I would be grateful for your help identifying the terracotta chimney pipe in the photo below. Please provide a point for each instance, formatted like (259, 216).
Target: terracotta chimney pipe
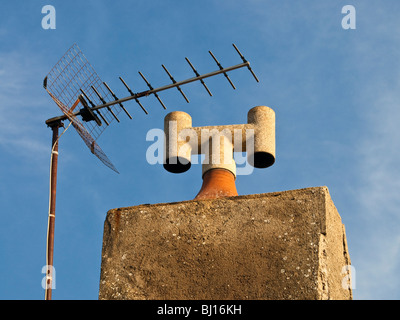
(217, 183)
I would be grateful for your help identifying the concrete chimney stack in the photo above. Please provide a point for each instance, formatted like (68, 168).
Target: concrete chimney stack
(286, 245)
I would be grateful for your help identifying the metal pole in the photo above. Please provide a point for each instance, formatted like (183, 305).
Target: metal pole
(52, 210)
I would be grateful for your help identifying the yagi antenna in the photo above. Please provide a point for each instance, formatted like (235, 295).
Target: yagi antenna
(91, 105)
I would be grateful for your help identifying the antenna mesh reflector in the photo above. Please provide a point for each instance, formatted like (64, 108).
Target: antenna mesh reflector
(64, 83)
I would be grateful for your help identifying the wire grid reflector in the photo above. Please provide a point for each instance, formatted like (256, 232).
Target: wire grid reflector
(69, 76)
(73, 73)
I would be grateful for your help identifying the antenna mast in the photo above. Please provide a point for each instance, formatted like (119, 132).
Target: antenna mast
(52, 210)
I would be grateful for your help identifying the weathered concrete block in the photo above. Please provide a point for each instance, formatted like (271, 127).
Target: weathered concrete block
(282, 245)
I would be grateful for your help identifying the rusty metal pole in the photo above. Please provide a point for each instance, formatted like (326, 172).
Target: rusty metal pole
(52, 210)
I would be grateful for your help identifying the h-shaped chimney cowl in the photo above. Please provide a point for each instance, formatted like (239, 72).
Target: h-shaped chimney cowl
(217, 143)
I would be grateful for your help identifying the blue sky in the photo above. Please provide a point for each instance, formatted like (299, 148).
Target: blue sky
(335, 92)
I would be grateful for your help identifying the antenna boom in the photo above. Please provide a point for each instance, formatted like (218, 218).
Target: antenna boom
(152, 91)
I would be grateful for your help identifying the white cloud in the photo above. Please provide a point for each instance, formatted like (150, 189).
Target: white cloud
(21, 106)
(378, 185)
(378, 192)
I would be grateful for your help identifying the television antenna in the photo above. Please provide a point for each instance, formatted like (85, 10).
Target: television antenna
(90, 106)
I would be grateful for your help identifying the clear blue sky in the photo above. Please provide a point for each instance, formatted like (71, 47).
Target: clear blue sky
(335, 92)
